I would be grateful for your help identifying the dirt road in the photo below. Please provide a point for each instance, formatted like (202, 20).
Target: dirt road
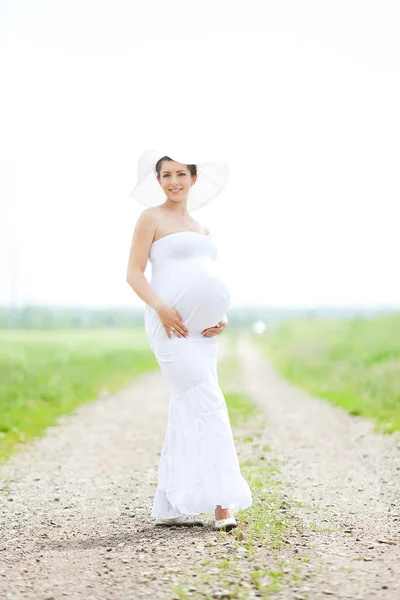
(346, 477)
(75, 505)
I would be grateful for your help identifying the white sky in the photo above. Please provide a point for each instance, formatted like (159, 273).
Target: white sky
(301, 98)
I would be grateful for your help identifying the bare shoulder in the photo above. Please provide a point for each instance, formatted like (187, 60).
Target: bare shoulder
(148, 215)
(147, 220)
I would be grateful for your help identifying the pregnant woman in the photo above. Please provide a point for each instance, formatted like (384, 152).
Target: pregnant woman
(186, 305)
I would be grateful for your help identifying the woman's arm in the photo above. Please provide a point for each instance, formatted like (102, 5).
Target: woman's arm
(138, 256)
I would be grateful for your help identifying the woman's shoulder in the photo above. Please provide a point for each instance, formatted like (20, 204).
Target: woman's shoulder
(150, 215)
(151, 212)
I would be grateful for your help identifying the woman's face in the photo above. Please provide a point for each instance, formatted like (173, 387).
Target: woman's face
(175, 180)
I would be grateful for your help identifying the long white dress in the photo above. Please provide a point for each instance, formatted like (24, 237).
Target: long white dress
(199, 467)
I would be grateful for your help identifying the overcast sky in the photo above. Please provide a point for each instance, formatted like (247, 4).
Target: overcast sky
(301, 98)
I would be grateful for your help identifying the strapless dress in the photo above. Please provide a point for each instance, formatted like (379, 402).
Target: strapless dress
(199, 467)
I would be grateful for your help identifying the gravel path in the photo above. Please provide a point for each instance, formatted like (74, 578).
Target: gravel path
(348, 481)
(75, 511)
(75, 505)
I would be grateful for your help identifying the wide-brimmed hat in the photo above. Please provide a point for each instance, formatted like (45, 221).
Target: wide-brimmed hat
(211, 178)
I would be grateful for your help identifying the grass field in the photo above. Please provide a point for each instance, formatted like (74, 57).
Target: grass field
(44, 374)
(352, 363)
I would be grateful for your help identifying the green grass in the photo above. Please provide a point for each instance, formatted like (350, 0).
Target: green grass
(45, 374)
(353, 363)
(240, 408)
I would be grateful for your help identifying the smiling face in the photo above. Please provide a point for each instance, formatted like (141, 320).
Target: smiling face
(176, 180)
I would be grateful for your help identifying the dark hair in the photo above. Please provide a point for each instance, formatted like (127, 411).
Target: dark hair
(192, 168)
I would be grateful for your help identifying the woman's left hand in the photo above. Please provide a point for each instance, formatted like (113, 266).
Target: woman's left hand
(211, 331)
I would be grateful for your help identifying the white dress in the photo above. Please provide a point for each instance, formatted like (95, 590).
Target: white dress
(199, 467)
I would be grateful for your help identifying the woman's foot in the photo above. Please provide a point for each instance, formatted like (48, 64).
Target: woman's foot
(183, 520)
(223, 513)
(224, 519)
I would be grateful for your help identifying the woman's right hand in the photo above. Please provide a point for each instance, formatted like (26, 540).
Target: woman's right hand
(171, 321)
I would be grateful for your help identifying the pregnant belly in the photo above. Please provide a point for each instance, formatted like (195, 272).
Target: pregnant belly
(201, 298)
(203, 303)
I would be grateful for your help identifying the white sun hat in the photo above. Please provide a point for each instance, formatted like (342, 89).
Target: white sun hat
(211, 179)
